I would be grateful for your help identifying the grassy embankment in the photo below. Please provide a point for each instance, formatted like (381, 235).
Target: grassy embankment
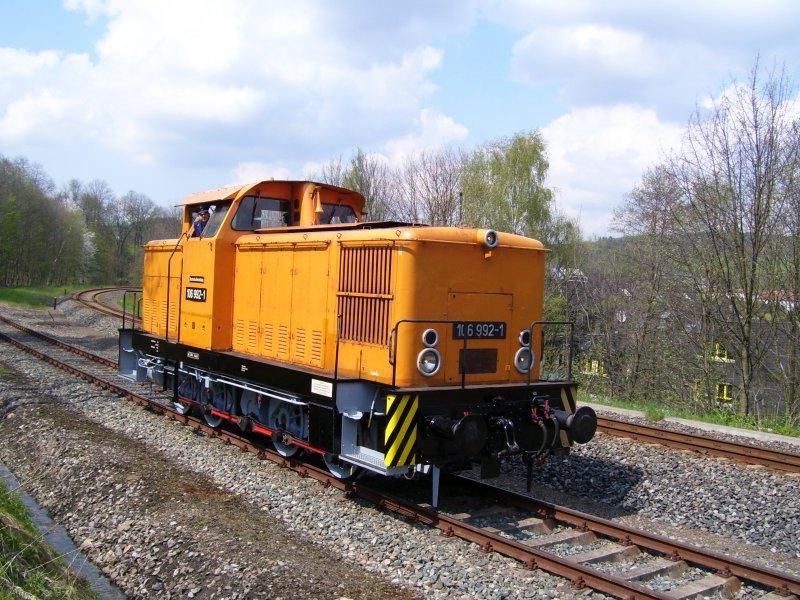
(36, 296)
(720, 416)
(29, 568)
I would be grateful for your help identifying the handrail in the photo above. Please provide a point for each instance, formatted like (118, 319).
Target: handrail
(542, 324)
(136, 302)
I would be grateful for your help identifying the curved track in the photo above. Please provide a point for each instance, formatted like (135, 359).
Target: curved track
(106, 301)
(584, 569)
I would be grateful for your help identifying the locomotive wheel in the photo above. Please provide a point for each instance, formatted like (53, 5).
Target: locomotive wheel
(339, 469)
(286, 450)
(213, 420)
(289, 418)
(181, 407)
(222, 398)
(190, 389)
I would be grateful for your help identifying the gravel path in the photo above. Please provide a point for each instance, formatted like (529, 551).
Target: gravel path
(174, 510)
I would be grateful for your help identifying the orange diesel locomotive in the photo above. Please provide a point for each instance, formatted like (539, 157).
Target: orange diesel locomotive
(382, 346)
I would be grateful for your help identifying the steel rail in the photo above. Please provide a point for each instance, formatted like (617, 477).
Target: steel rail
(89, 298)
(675, 550)
(59, 343)
(765, 457)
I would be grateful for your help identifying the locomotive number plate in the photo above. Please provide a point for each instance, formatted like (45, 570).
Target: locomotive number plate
(479, 330)
(196, 294)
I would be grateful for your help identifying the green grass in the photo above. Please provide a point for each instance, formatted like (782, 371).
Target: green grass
(657, 412)
(28, 567)
(35, 296)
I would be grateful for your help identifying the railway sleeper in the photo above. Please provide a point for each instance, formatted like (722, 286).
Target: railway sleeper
(656, 568)
(608, 553)
(707, 586)
(529, 525)
(569, 536)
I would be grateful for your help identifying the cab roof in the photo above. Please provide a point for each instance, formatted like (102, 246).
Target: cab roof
(238, 191)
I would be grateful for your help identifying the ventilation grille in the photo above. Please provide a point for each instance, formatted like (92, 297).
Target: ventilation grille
(316, 348)
(283, 341)
(300, 344)
(268, 343)
(365, 275)
(149, 317)
(252, 336)
(154, 317)
(173, 319)
(238, 334)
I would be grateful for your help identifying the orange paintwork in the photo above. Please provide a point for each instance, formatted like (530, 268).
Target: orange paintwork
(283, 294)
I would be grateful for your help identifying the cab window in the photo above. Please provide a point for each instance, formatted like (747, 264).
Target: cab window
(337, 213)
(218, 213)
(261, 213)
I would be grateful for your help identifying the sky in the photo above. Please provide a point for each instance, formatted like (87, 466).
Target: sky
(170, 97)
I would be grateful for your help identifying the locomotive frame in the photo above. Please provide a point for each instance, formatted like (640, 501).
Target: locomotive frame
(394, 348)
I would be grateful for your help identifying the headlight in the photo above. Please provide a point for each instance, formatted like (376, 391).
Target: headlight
(430, 337)
(429, 361)
(523, 360)
(525, 337)
(488, 238)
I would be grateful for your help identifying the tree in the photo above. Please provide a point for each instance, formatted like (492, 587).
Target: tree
(371, 177)
(504, 186)
(429, 189)
(39, 238)
(785, 305)
(732, 173)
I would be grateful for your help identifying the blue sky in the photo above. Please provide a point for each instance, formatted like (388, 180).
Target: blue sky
(169, 97)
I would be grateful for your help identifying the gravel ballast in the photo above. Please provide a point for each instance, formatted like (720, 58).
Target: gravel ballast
(155, 504)
(166, 511)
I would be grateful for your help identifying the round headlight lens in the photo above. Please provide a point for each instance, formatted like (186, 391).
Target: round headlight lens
(525, 337)
(430, 337)
(429, 361)
(523, 360)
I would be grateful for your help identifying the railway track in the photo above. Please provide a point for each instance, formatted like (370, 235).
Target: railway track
(744, 453)
(576, 546)
(104, 300)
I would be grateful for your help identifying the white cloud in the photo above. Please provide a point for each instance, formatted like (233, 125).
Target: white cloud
(93, 8)
(596, 51)
(432, 130)
(186, 94)
(20, 64)
(598, 154)
(237, 80)
(662, 54)
(250, 172)
(29, 116)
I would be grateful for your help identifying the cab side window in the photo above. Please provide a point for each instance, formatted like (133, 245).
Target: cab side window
(261, 213)
(337, 213)
(218, 213)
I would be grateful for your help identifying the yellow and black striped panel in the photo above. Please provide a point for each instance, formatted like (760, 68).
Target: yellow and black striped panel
(401, 430)
(569, 397)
